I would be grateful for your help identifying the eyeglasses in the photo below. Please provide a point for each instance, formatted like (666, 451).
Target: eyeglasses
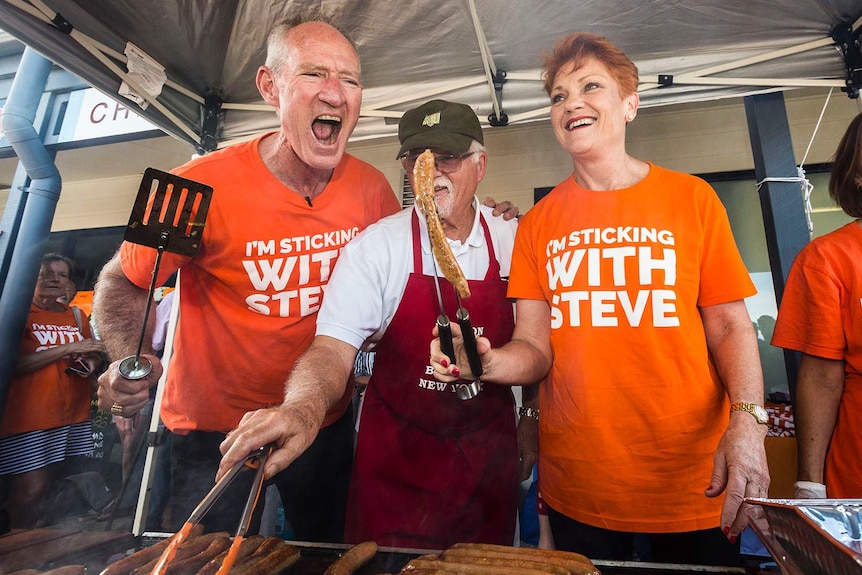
(446, 163)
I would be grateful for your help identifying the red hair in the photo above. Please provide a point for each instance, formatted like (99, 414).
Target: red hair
(579, 46)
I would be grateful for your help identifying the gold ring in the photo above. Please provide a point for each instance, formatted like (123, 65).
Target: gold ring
(117, 409)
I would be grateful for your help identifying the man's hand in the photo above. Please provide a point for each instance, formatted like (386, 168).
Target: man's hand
(126, 427)
(506, 209)
(739, 467)
(316, 384)
(290, 428)
(131, 395)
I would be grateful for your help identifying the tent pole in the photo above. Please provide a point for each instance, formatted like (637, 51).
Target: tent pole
(781, 202)
(39, 204)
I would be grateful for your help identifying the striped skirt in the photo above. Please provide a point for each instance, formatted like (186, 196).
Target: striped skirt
(32, 450)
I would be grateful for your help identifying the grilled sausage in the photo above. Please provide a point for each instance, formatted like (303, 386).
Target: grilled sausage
(468, 568)
(353, 559)
(524, 551)
(520, 564)
(191, 565)
(423, 187)
(270, 561)
(246, 548)
(186, 549)
(67, 570)
(128, 564)
(574, 562)
(268, 545)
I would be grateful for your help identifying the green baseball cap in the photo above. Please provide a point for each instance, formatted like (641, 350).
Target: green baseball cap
(439, 124)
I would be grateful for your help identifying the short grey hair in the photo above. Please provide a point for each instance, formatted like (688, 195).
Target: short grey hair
(476, 147)
(275, 40)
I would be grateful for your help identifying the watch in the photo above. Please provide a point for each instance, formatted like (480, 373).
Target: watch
(528, 412)
(754, 409)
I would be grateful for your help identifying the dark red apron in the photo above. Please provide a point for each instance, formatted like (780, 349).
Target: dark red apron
(432, 470)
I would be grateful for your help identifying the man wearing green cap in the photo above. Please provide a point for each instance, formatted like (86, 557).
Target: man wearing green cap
(430, 469)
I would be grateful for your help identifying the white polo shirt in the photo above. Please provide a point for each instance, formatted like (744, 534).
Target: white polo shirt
(372, 271)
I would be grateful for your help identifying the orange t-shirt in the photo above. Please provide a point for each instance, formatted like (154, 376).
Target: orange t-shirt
(49, 397)
(250, 297)
(632, 410)
(821, 315)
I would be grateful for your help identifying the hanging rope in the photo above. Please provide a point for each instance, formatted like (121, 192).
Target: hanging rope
(806, 186)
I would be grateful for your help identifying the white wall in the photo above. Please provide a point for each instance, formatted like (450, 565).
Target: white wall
(696, 138)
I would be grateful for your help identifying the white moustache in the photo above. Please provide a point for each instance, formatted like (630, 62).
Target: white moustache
(444, 182)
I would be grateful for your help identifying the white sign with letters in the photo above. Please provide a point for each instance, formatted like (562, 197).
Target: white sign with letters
(91, 115)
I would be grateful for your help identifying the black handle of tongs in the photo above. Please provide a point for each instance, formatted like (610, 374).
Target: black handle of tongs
(444, 329)
(469, 342)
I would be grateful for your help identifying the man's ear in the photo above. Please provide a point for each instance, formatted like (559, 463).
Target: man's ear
(266, 85)
(482, 166)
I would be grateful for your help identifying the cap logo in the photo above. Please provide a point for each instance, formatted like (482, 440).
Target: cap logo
(431, 120)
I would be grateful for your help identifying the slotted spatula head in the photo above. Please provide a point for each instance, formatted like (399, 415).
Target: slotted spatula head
(169, 203)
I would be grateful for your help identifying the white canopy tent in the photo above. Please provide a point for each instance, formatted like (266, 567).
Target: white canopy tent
(485, 53)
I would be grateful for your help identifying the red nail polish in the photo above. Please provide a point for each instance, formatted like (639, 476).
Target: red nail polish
(456, 372)
(732, 539)
(726, 531)
(444, 362)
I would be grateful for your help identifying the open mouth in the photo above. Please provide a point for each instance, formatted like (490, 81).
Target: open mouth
(575, 123)
(326, 128)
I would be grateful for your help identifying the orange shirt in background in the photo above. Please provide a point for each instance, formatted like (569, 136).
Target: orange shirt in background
(632, 410)
(821, 315)
(49, 397)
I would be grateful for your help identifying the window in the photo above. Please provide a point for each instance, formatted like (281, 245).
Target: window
(738, 193)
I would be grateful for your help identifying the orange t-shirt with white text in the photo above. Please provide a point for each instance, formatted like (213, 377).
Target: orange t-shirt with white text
(632, 410)
(249, 298)
(48, 397)
(821, 315)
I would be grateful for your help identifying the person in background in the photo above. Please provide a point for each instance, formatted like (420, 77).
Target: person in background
(821, 316)
(284, 204)
(430, 469)
(69, 293)
(47, 418)
(629, 292)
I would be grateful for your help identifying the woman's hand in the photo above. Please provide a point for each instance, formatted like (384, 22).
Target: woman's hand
(740, 470)
(85, 347)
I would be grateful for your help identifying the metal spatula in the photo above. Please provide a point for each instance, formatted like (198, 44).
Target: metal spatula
(168, 214)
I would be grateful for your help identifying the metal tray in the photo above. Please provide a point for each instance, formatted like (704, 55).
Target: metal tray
(811, 537)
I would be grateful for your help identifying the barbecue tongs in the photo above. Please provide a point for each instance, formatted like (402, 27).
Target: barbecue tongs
(255, 460)
(463, 390)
